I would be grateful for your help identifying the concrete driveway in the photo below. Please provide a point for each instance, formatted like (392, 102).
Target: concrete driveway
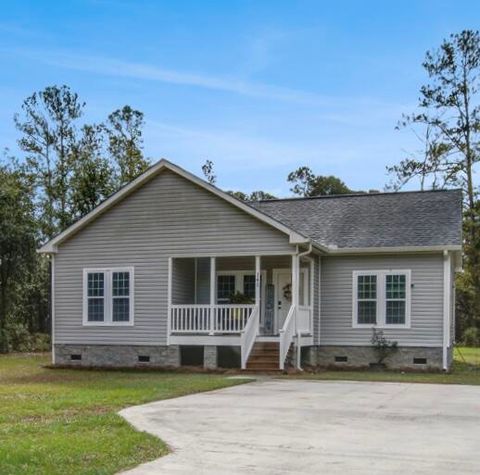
(293, 426)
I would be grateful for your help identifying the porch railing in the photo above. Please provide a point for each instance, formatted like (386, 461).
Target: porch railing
(209, 319)
(287, 334)
(304, 319)
(248, 336)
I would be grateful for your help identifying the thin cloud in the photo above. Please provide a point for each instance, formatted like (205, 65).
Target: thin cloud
(118, 68)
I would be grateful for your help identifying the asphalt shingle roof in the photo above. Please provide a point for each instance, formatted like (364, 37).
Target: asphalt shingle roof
(423, 218)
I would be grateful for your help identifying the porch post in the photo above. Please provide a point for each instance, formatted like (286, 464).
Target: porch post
(257, 281)
(212, 294)
(169, 298)
(295, 298)
(295, 280)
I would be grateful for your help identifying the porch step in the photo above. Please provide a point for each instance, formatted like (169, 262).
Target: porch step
(264, 357)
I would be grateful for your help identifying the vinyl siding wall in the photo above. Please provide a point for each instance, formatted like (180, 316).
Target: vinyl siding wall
(167, 216)
(426, 303)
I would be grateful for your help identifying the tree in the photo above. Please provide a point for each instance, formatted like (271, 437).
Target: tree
(306, 183)
(253, 196)
(449, 116)
(449, 112)
(48, 137)
(18, 240)
(92, 175)
(125, 143)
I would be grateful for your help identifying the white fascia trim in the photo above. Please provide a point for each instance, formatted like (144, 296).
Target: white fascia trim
(392, 250)
(52, 245)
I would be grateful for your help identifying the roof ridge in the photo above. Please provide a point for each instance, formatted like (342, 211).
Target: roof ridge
(356, 195)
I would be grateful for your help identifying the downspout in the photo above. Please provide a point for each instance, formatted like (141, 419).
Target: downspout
(297, 278)
(446, 308)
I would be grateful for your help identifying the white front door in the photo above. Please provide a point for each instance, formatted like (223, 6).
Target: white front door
(283, 296)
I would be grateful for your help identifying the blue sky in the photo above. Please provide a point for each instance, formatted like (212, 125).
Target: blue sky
(258, 87)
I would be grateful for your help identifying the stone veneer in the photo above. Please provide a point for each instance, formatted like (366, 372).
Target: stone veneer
(117, 355)
(362, 356)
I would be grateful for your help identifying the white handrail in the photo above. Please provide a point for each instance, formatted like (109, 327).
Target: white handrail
(248, 336)
(286, 335)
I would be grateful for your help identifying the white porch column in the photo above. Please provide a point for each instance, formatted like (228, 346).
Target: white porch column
(257, 281)
(295, 299)
(213, 269)
(295, 286)
(169, 297)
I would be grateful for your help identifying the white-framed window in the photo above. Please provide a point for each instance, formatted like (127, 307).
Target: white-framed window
(231, 282)
(108, 296)
(381, 298)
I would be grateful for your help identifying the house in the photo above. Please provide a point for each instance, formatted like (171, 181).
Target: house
(171, 269)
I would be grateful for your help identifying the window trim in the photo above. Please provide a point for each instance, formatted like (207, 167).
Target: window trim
(108, 296)
(381, 298)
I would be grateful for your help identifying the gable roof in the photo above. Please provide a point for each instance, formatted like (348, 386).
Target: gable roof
(52, 245)
(375, 222)
(421, 219)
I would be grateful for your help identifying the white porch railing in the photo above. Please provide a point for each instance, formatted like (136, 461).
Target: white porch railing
(286, 335)
(304, 319)
(248, 336)
(209, 318)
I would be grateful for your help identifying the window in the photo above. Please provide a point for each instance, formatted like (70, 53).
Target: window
(225, 288)
(249, 286)
(395, 299)
(108, 296)
(367, 299)
(231, 282)
(381, 298)
(96, 297)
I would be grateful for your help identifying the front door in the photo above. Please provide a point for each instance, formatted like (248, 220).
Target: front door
(283, 296)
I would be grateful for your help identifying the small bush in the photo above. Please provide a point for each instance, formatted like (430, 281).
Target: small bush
(471, 337)
(16, 337)
(382, 347)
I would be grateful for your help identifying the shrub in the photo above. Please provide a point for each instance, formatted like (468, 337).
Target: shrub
(382, 347)
(471, 336)
(16, 337)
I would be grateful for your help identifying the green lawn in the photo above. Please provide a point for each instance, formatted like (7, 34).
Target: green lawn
(466, 370)
(65, 421)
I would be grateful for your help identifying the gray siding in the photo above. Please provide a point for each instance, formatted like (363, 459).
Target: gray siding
(426, 307)
(183, 281)
(168, 215)
(316, 299)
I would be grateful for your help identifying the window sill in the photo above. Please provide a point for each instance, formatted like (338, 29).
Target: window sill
(107, 324)
(382, 327)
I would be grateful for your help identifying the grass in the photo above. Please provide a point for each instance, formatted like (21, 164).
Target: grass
(65, 421)
(465, 370)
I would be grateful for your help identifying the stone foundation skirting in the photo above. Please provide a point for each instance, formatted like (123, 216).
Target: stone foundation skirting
(362, 356)
(120, 356)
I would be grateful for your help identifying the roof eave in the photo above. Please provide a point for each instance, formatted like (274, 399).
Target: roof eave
(394, 249)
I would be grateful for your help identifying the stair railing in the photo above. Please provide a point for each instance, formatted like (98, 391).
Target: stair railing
(287, 334)
(249, 335)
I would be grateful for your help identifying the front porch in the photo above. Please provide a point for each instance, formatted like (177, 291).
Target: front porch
(240, 301)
